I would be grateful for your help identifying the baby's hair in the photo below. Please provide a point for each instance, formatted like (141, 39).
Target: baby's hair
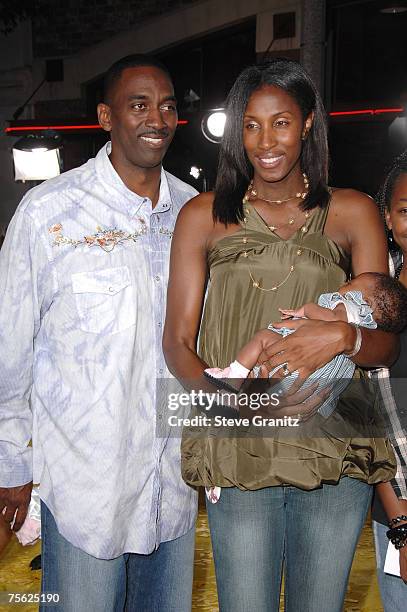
(390, 298)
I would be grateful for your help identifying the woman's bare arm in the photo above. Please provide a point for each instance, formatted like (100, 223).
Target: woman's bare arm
(368, 247)
(355, 224)
(393, 506)
(188, 271)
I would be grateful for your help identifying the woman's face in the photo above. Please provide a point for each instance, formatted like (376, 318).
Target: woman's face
(396, 217)
(272, 131)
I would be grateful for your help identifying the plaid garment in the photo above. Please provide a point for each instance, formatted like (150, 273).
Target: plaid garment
(397, 434)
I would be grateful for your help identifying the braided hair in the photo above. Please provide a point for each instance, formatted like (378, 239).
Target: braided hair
(384, 195)
(383, 199)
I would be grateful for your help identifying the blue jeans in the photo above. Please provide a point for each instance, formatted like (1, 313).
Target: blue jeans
(159, 582)
(313, 534)
(393, 591)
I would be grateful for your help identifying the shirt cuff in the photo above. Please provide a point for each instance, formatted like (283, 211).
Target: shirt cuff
(15, 468)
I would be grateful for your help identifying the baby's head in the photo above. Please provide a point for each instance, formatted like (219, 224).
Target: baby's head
(386, 296)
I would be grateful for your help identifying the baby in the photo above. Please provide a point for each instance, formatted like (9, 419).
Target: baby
(370, 300)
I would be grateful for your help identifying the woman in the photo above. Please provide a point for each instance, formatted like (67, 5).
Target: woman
(274, 235)
(392, 199)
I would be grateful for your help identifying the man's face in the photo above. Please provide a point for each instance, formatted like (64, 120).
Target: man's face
(141, 116)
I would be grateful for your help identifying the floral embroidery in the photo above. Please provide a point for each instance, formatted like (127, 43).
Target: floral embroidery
(162, 230)
(106, 239)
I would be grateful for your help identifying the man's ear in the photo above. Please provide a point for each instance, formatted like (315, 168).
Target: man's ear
(104, 116)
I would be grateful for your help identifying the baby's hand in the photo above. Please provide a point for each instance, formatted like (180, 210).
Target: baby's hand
(289, 314)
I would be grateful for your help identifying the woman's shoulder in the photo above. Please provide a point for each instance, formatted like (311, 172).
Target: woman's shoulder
(352, 215)
(197, 213)
(351, 209)
(351, 201)
(201, 205)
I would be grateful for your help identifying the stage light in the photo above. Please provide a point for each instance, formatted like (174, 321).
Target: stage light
(36, 158)
(213, 125)
(394, 10)
(195, 172)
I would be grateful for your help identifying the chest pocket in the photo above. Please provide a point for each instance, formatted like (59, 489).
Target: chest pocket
(105, 300)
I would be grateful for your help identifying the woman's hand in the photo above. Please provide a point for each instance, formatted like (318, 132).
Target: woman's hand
(313, 345)
(302, 404)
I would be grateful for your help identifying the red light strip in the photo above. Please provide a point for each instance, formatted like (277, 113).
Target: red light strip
(40, 128)
(96, 126)
(378, 111)
(367, 111)
(37, 128)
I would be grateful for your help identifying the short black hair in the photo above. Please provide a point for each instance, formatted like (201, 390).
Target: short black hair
(135, 60)
(390, 297)
(235, 171)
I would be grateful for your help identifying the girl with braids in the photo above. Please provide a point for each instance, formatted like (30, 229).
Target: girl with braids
(274, 235)
(390, 503)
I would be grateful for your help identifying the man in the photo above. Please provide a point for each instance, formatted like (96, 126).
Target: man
(83, 276)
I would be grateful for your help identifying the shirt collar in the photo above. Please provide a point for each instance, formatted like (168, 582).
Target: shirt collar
(110, 178)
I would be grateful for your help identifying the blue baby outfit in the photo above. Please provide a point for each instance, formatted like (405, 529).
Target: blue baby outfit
(339, 371)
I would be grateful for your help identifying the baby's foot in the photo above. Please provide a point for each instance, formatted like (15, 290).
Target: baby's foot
(234, 370)
(218, 372)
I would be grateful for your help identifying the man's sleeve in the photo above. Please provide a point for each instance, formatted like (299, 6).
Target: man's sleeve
(22, 261)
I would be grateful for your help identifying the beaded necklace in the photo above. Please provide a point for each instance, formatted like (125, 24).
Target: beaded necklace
(300, 194)
(303, 230)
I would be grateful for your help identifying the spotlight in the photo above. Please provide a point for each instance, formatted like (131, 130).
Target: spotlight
(36, 158)
(394, 10)
(195, 172)
(213, 125)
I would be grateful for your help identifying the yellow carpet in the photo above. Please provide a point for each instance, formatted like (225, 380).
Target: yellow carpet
(362, 596)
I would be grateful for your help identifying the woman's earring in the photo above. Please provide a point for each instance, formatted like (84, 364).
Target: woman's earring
(390, 239)
(304, 136)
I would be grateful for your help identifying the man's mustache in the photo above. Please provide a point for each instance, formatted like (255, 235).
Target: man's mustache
(156, 134)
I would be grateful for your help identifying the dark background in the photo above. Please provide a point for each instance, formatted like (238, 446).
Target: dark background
(365, 57)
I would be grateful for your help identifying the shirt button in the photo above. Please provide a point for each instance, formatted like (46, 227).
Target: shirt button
(111, 289)
(161, 370)
(159, 324)
(157, 278)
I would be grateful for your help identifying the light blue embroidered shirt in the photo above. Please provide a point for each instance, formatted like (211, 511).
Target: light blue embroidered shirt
(83, 275)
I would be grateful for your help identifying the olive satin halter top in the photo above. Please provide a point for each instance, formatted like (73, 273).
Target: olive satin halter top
(234, 310)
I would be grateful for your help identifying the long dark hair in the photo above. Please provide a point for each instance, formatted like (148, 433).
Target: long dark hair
(234, 169)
